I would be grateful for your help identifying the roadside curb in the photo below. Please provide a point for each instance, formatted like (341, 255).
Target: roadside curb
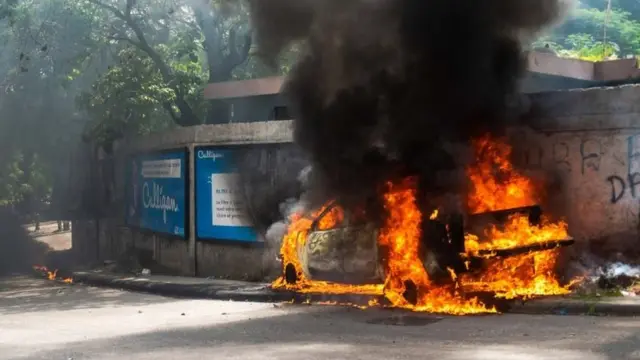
(569, 306)
(250, 292)
(257, 292)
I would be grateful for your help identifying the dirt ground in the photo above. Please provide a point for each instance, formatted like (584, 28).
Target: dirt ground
(49, 235)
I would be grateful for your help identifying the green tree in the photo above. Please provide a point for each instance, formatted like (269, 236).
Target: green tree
(215, 33)
(132, 97)
(44, 43)
(594, 32)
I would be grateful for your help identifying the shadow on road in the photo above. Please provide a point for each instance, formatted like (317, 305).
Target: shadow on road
(23, 294)
(320, 333)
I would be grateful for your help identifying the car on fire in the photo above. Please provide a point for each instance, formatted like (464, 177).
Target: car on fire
(335, 248)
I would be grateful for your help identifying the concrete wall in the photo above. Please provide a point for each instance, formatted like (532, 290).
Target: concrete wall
(585, 143)
(588, 141)
(268, 157)
(597, 171)
(258, 108)
(536, 82)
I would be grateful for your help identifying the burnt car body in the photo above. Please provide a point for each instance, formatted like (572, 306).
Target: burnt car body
(349, 252)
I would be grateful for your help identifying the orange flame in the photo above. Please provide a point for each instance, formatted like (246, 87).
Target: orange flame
(51, 275)
(526, 275)
(295, 239)
(496, 185)
(401, 237)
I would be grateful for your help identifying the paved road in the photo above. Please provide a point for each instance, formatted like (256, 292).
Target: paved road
(42, 320)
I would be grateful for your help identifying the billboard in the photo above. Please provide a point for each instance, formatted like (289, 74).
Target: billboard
(221, 209)
(157, 192)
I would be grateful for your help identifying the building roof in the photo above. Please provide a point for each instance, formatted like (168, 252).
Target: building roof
(537, 63)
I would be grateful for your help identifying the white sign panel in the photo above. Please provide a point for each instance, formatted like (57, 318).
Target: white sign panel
(162, 169)
(228, 205)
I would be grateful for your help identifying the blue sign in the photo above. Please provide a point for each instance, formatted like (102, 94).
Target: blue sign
(156, 192)
(221, 209)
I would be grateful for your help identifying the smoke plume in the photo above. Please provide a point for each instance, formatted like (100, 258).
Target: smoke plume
(383, 86)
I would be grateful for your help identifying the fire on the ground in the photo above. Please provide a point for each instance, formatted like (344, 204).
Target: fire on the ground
(522, 276)
(52, 274)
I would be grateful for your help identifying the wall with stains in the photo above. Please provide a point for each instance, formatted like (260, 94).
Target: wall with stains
(597, 174)
(585, 144)
(270, 164)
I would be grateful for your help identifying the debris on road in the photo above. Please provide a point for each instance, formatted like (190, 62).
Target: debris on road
(615, 280)
(52, 274)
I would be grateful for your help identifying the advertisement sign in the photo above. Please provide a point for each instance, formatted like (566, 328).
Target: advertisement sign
(221, 209)
(156, 192)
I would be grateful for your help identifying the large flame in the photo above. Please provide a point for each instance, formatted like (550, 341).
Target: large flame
(526, 275)
(400, 237)
(496, 185)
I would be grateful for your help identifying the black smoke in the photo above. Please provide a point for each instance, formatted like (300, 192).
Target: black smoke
(384, 87)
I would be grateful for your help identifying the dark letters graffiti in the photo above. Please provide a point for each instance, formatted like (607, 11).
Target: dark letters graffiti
(561, 155)
(619, 186)
(634, 180)
(590, 153)
(632, 152)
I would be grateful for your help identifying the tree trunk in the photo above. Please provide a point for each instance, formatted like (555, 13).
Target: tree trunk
(220, 63)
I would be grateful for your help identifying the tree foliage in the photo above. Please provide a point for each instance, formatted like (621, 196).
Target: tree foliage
(595, 31)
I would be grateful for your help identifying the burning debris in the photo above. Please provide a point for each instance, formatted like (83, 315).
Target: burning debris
(52, 275)
(388, 95)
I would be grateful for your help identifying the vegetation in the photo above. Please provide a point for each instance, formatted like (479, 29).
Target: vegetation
(598, 30)
(100, 70)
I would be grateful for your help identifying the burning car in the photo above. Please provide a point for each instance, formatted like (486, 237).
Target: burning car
(504, 246)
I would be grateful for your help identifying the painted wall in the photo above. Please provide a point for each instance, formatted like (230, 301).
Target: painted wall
(594, 179)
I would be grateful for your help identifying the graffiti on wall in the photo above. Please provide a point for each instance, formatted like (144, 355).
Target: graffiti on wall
(560, 154)
(587, 158)
(600, 172)
(626, 185)
(591, 152)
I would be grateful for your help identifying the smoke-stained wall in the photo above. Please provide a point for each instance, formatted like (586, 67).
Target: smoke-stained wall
(598, 172)
(586, 143)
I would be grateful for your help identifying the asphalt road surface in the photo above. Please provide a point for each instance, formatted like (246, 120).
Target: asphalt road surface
(44, 320)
